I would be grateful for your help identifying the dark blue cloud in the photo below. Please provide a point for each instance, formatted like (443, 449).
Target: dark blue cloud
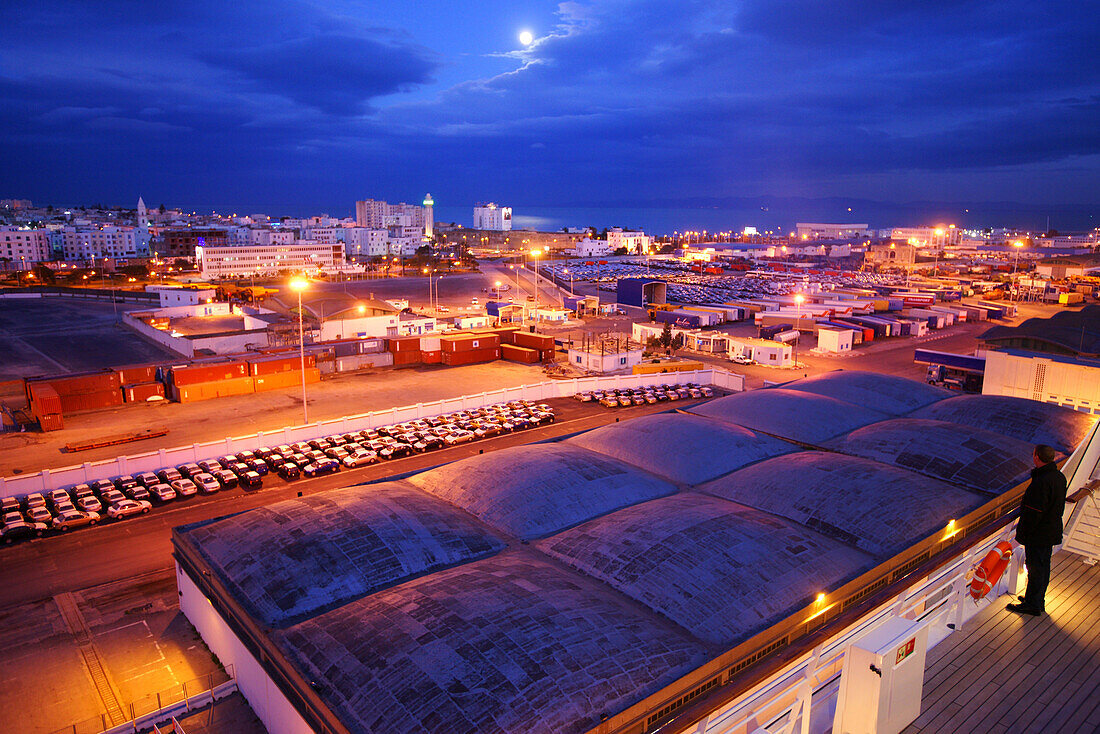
(307, 106)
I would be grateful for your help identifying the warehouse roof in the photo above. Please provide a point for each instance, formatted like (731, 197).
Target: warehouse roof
(301, 556)
(884, 393)
(1027, 420)
(722, 570)
(685, 448)
(531, 491)
(874, 507)
(792, 414)
(1068, 332)
(964, 455)
(507, 644)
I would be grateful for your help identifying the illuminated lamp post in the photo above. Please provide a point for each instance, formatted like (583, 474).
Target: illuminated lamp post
(299, 285)
(535, 254)
(798, 299)
(1016, 288)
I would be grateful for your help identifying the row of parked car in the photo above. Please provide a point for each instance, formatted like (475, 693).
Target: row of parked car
(649, 395)
(124, 496)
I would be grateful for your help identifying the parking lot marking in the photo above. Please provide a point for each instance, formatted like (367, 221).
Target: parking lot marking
(74, 620)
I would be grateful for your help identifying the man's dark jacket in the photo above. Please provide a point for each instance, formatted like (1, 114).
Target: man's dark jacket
(1042, 506)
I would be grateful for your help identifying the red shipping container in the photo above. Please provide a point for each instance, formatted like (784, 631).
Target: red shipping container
(90, 401)
(454, 359)
(280, 363)
(406, 359)
(137, 374)
(280, 380)
(79, 383)
(433, 357)
(51, 422)
(404, 344)
(208, 373)
(519, 354)
(533, 341)
(44, 400)
(141, 392)
(469, 342)
(215, 389)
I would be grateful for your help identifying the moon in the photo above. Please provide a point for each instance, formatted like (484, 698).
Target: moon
(526, 38)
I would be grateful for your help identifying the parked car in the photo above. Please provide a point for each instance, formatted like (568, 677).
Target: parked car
(126, 480)
(361, 458)
(16, 527)
(126, 508)
(9, 504)
(162, 492)
(189, 470)
(227, 478)
(111, 496)
(206, 483)
(148, 479)
(89, 503)
(324, 466)
(259, 466)
(289, 470)
(74, 519)
(39, 513)
(184, 488)
(251, 480)
(167, 476)
(136, 492)
(210, 466)
(34, 499)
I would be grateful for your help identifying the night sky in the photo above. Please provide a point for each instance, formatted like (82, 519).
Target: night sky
(285, 105)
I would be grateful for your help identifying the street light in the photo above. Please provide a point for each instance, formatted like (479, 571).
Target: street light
(798, 299)
(571, 294)
(299, 285)
(1015, 288)
(535, 254)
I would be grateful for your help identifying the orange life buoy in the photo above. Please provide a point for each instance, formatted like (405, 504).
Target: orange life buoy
(990, 569)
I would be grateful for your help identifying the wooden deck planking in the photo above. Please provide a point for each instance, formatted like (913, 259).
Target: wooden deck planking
(1004, 672)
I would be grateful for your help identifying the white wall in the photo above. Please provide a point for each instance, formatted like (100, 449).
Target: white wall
(1075, 386)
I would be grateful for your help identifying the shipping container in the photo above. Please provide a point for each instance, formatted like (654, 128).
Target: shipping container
(137, 374)
(430, 344)
(406, 358)
(470, 357)
(533, 341)
(279, 380)
(260, 366)
(90, 401)
(403, 344)
(79, 383)
(217, 389)
(432, 356)
(372, 346)
(519, 354)
(201, 373)
(143, 391)
(469, 342)
(51, 422)
(44, 400)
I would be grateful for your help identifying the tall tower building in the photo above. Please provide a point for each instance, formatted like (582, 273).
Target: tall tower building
(429, 216)
(142, 238)
(142, 214)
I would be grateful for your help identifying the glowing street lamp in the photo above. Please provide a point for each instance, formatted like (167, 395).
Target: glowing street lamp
(299, 285)
(798, 299)
(1016, 288)
(535, 254)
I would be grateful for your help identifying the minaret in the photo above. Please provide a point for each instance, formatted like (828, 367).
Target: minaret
(142, 214)
(429, 217)
(143, 237)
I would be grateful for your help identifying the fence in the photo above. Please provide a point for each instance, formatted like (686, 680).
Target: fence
(50, 479)
(782, 703)
(145, 713)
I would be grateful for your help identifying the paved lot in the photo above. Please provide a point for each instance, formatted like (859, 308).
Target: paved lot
(50, 335)
(209, 420)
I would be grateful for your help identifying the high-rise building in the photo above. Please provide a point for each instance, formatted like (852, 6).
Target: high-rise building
(492, 217)
(374, 214)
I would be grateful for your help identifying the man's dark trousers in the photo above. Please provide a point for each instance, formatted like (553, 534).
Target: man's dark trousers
(1037, 561)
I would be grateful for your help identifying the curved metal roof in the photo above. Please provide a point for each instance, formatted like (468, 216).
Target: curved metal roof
(301, 556)
(508, 644)
(1027, 420)
(685, 448)
(719, 569)
(792, 414)
(963, 455)
(532, 491)
(874, 507)
(884, 393)
(1066, 332)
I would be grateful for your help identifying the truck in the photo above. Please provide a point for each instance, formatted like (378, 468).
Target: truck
(962, 372)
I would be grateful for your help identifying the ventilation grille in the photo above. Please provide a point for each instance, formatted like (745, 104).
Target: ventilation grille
(1039, 382)
(859, 596)
(679, 702)
(909, 566)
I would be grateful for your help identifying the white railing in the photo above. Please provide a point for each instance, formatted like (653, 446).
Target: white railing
(50, 479)
(782, 704)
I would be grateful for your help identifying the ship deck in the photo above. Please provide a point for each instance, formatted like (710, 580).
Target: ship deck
(1008, 673)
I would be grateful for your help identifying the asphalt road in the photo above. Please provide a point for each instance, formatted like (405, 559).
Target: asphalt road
(139, 546)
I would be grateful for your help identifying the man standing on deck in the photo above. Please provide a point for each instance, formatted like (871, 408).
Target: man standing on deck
(1040, 527)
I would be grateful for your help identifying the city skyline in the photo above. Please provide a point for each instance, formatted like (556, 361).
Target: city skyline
(289, 104)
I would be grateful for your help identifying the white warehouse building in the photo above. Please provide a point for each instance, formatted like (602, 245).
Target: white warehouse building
(227, 261)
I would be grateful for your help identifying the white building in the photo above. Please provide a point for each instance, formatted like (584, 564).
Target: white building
(364, 242)
(633, 241)
(592, 248)
(320, 235)
(20, 246)
(823, 231)
(605, 356)
(373, 214)
(177, 295)
(762, 351)
(227, 261)
(493, 217)
(834, 340)
(87, 245)
(1072, 382)
(928, 236)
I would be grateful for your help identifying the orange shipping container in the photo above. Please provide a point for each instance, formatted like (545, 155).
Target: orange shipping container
(404, 344)
(519, 354)
(433, 357)
(454, 359)
(406, 359)
(533, 341)
(280, 380)
(201, 373)
(137, 374)
(469, 342)
(281, 363)
(90, 401)
(141, 393)
(44, 400)
(210, 390)
(51, 422)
